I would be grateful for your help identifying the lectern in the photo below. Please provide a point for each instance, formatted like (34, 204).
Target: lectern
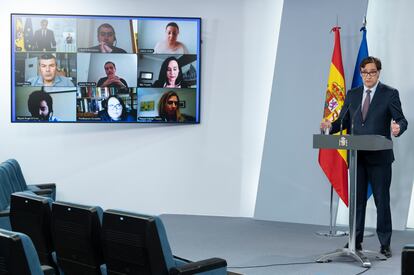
(352, 143)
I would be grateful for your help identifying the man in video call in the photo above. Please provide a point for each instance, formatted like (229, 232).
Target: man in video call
(111, 79)
(40, 106)
(44, 38)
(48, 73)
(107, 40)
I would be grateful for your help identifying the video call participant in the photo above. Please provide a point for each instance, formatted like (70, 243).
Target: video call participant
(372, 109)
(107, 40)
(40, 105)
(115, 110)
(69, 39)
(169, 108)
(111, 79)
(48, 73)
(170, 75)
(170, 45)
(44, 38)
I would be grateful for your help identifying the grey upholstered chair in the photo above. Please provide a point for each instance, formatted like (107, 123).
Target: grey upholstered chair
(137, 244)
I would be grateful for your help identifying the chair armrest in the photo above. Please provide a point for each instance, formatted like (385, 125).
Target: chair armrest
(44, 192)
(198, 267)
(48, 270)
(182, 259)
(4, 213)
(46, 185)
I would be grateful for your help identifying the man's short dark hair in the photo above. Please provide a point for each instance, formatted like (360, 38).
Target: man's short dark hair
(34, 102)
(47, 56)
(371, 59)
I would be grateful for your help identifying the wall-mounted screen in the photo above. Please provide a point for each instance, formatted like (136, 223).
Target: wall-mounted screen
(84, 68)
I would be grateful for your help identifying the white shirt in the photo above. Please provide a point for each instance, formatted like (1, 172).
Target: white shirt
(364, 95)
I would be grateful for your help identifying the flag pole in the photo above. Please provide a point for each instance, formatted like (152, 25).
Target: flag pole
(332, 222)
(332, 218)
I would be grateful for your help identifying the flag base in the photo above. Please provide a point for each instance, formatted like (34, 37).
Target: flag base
(332, 233)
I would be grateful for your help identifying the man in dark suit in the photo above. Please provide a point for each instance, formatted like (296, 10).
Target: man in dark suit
(374, 109)
(44, 39)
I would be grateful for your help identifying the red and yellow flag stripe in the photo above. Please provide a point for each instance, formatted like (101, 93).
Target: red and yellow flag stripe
(334, 162)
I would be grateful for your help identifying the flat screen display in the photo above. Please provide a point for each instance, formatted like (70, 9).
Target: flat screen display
(87, 68)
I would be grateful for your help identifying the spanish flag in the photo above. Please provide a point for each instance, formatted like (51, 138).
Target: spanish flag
(19, 36)
(333, 162)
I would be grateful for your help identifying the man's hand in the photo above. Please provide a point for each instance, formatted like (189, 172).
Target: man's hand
(105, 48)
(325, 124)
(113, 80)
(395, 128)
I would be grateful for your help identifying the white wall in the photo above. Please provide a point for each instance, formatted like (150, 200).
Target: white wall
(260, 43)
(210, 168)
(292, 186)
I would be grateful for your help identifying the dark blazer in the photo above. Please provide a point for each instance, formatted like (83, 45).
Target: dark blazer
(385, 106)
(97, 49)
(47, 43)
(103, 79)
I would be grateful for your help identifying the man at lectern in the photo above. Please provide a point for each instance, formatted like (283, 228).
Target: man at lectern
(372, 109)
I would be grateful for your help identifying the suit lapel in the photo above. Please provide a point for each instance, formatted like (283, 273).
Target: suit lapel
(375, 100)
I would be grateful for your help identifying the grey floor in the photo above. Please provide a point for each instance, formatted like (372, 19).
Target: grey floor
(245, 242)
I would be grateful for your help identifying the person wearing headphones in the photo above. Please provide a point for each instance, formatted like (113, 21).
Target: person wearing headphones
(107, 40)
(40, 106)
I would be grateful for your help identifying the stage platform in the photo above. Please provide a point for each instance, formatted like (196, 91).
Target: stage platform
(255, 247)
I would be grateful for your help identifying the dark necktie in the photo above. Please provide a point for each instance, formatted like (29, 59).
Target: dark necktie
(365, 106)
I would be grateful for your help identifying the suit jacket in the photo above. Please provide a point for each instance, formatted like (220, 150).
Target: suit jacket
(97, 49)
(385, 106)
(44, 43)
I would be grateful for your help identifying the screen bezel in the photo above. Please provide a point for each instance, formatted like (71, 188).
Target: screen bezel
(112, 17)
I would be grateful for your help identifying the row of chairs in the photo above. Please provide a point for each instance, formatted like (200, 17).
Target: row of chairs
(12, 180)
(78, 239)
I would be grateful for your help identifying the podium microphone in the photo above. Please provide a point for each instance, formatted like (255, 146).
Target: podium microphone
(342, 119)
(353, 118)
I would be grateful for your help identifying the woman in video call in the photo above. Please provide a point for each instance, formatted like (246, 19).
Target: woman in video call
(170, 75)
(170, 45)
(169, 108)
(115, 110)
(107, 40)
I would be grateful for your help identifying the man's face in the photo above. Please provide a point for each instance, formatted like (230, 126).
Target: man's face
(110, 70)
(106, 35)
(47, 68)
(370, 75)
(43, 24)
(43, 110)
